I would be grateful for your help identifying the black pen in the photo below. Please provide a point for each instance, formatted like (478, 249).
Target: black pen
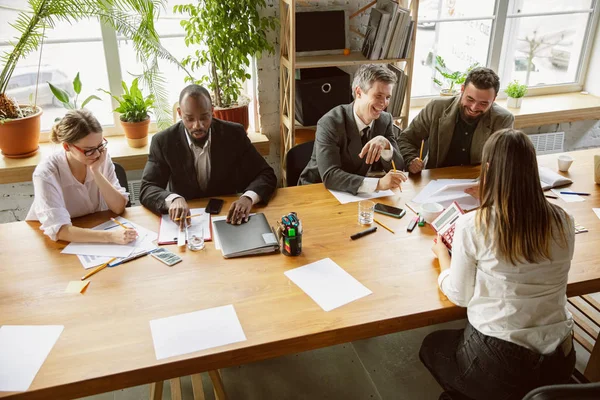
(550, 196)
(363, 233)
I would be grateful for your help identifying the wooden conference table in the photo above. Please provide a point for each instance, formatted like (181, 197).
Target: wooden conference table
(107, 344)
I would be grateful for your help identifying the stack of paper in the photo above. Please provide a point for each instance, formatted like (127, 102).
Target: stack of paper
(445, 191)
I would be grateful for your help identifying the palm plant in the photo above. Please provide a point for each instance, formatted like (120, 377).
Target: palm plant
(133, 19)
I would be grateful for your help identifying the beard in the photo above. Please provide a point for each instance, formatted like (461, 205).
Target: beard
(199, 142)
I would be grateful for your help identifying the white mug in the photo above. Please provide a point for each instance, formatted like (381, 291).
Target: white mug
(564, 162)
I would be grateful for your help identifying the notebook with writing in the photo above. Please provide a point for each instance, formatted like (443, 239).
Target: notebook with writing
(252, 237)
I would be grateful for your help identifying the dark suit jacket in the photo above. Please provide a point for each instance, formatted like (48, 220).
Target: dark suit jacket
(236, 166)
(436, 123)
(335, 160)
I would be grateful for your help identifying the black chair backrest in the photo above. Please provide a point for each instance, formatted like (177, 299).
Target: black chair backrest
(296, 160)
(122, 177)
(578, 391)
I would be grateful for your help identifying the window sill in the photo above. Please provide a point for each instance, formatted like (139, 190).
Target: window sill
(21, 170)
(548, 109)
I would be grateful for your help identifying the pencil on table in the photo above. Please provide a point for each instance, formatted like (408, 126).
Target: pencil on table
(189, 216)
(98, 269)
(421, 152)
(120, 224)
(386, 227)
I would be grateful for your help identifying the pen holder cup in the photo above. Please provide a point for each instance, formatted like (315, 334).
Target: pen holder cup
(291, 245)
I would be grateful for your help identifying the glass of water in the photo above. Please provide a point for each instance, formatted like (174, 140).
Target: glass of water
(366, 212)
(195, 238)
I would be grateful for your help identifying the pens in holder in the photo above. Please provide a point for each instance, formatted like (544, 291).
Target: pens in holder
(363, 233)
(577, 193)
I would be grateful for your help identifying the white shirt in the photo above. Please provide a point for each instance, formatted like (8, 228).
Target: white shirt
(60, 197)
(202, 165)
(524, 304)
(370, 184)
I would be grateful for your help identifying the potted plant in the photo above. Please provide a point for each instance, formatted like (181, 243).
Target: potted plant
(135, 113)
(453, 78)
(65, 99)
(229, 33)
(20, 123)
(515, 92)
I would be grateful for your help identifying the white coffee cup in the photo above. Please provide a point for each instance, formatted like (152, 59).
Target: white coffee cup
(564, 162)
(430, 211)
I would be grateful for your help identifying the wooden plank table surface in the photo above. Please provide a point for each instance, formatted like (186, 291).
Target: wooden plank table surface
(107, 343)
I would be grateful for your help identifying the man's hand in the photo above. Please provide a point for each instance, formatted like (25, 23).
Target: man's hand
(391, 180)
(415, 166)
(178, 211)
(473, 191)
(372, 150)
(239, 210)
(123, 236)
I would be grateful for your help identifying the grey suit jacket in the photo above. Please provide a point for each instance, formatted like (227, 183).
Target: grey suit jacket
(335, 160)
(436, 122)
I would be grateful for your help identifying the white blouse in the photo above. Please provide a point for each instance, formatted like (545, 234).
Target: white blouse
(524, 304)
(60, 197)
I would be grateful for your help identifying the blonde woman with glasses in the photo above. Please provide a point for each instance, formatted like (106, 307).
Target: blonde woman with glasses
(78, 180)
(509, 267)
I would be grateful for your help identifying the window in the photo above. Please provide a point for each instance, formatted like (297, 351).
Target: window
(69, 49)
(543, 43)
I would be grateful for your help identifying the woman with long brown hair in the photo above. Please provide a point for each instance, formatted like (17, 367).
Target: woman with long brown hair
(509, 266)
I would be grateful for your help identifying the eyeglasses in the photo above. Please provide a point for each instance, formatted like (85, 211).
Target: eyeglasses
(91, 152)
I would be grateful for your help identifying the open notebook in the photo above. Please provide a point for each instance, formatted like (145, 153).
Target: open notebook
(550, 179)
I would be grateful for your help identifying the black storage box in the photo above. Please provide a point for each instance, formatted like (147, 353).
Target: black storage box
(318, 90)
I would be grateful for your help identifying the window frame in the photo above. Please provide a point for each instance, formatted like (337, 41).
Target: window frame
(499, 21)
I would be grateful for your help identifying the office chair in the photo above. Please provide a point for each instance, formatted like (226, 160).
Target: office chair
(122, 177)
(296, 160)
(578, 391)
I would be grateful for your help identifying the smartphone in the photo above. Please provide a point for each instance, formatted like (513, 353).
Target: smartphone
(389, 210)
(214, 206)
(165, 256)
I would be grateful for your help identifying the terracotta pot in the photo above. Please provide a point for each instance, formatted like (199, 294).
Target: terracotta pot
(136, 132)
(19, 138)
(237, 114)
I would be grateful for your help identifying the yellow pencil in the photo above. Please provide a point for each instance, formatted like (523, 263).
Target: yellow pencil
(421, 153)
(98, 269)
(393, 165)
(386, 227)
(189, 216)
(120, 224)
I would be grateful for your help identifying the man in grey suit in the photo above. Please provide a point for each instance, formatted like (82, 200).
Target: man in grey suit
(352, 138)
(456, 128)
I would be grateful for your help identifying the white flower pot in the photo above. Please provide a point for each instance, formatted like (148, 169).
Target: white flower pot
(512, 102)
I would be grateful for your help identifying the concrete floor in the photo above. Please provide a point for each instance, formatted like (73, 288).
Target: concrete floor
(381, 368)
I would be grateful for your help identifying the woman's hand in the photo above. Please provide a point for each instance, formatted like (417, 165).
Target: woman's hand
(96, 166)
(123, 236)
(473, 191)
(439, 248)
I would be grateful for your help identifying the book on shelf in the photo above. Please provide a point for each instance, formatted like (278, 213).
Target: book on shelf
(408, 40)
(371, 34)
(397, 99)
(384, 25)
(399, 29)
(390, 6)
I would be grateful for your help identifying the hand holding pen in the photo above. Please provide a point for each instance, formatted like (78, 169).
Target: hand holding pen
(417, 165)
(127, 235)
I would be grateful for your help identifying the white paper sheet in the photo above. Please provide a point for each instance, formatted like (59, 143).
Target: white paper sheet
(445, 191)
(195, 331)
(597, 211)
(169, 230)
(23, 350)
(344, 197)
(569, 198)
(327, 284)
(145, 242)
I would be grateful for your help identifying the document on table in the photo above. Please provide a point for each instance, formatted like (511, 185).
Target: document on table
(344, 197)
(23, 350)
(446, 191)
(327, 284)
(145, 242)
(109, 249)
(168, 232)
(596, 211)
(195, 331)
(569, 198)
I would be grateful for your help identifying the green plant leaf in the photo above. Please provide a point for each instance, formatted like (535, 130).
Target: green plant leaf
(77, 84)
(88, 99)
(60, 94)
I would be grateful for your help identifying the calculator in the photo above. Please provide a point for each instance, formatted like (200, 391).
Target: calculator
(444, 224)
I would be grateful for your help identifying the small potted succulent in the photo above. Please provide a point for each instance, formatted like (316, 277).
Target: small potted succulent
(515, 92)
(135, 113)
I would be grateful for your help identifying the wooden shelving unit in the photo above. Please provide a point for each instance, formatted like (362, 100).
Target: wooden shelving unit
(289, 62)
